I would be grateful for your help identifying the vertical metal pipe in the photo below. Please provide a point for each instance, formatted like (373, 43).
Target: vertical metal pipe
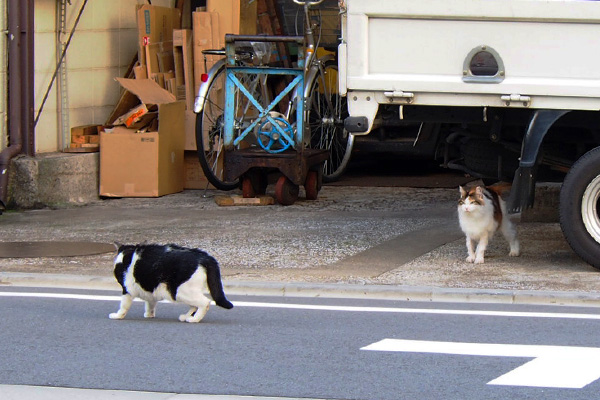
(15, 77)
(61, 78)
(28, 82)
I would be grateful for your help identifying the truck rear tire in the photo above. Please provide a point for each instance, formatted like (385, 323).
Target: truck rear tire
(580, 207)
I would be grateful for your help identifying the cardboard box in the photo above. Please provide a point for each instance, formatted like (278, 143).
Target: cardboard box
(146, 164)
(206, 36)
(190, 130)
(193, 176)
(156, 24)
(229, 17)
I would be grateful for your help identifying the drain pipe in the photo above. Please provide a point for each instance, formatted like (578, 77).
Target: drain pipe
(16, 77)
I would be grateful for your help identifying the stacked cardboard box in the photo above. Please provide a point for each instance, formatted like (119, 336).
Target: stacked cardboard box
(84, 139)
(142, 149)
(143, 144)
(148, 162)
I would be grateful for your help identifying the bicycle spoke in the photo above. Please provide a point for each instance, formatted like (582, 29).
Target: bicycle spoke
(325, 116)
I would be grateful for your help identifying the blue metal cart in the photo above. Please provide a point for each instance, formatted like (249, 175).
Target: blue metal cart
(264, 141)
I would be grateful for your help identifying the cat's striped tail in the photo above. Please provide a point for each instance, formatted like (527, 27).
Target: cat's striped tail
(215, 286)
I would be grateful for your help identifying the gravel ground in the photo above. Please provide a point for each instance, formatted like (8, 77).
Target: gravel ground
(306, 242)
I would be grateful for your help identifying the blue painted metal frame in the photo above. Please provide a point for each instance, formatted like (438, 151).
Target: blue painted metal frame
(296, 86)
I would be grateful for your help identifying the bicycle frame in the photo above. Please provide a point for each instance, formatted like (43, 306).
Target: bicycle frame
(312, 65)
(249, 115)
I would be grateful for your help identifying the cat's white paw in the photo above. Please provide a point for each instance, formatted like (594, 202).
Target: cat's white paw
(183, 317)
(470, 259)
(192, 320)
(148, 315)
(479, 260)
(514, 253)
(115, 316)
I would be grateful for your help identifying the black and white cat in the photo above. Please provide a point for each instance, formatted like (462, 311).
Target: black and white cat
(154, 272)
(481, 212)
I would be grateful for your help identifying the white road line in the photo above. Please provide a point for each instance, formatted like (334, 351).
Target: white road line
(61, 296)
(552, 366)
(511, 314)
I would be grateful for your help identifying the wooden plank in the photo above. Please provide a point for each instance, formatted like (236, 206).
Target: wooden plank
(140, 72)
(188, 68)
(178, 61)
(81, 149)
(248, 17)
(238, 200)
(93, 139)
(183, 42)
(78, 139)
(180, 5)
(205, 36)
(81, 130)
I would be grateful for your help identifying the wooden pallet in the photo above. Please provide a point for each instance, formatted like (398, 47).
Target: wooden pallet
(237, 200)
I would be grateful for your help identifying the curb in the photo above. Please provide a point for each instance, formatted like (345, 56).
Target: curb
(377, 292)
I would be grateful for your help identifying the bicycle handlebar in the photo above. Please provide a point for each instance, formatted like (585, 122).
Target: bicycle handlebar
(309, 2)
(230, 38)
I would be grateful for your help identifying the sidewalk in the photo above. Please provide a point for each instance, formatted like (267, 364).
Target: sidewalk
(388, 241)
(17, 392)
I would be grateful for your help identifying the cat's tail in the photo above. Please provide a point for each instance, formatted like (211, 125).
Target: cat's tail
(215, 286)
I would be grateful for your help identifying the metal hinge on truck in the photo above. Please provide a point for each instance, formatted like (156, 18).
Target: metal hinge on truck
(399, 95)
(516, 98)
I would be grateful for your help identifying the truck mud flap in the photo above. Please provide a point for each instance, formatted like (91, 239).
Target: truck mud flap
(522, 194)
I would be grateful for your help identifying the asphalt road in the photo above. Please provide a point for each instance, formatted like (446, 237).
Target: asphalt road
(302, 347)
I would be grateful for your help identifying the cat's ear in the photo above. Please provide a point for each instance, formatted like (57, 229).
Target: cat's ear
(463, 192)
(479, 191)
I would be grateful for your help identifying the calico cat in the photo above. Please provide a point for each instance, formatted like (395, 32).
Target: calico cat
(481, 212)
(154, 272)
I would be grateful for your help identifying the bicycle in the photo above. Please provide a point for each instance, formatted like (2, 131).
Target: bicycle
(324, 113)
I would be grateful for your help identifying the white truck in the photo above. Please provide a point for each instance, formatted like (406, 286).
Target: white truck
(502, 89)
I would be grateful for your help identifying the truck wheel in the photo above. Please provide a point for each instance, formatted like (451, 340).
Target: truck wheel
(580, 207)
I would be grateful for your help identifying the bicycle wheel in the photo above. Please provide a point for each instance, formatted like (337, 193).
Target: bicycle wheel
(209, 134)
(210, 125)
(326, 111)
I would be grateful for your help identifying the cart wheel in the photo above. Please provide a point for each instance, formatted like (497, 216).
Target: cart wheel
(286, 192)
(254, 183)
(247, 188)
(312, 185)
